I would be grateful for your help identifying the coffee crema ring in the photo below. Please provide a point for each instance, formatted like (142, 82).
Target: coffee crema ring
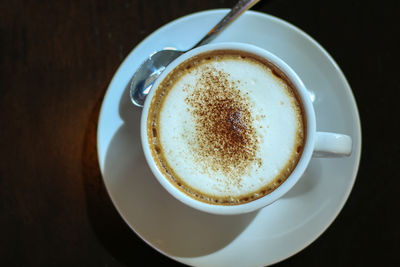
(210, 134)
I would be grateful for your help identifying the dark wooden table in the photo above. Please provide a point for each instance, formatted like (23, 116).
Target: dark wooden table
(56, 61)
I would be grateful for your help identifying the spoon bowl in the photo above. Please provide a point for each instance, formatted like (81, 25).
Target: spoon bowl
(148, 72)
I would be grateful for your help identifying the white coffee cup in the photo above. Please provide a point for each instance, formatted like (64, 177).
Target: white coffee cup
(317, 144)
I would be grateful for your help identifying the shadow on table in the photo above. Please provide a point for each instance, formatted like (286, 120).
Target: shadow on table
(157, 217)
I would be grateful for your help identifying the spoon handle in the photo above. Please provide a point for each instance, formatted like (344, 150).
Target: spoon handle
(235, 12)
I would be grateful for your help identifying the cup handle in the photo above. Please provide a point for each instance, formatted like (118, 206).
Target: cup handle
(332, 145)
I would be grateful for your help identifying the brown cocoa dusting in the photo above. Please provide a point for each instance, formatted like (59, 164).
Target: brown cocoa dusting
(225, 135)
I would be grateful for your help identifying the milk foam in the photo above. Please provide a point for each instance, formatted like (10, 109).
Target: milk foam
(275, 119)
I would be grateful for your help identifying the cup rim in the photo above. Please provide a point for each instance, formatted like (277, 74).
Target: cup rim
(293, 177)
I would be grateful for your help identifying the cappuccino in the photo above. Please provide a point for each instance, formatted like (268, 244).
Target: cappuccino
(226, 127)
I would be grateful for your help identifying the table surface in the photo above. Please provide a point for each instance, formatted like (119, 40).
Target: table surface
(56, 61)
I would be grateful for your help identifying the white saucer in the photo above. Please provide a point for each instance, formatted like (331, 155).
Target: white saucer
(260, 238)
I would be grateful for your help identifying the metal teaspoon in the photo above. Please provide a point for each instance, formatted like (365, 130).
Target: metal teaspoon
(147, 73)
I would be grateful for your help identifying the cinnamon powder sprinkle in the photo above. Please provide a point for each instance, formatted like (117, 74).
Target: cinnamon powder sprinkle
(226, 140)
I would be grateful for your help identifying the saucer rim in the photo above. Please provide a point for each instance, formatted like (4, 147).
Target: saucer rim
(274, 19)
